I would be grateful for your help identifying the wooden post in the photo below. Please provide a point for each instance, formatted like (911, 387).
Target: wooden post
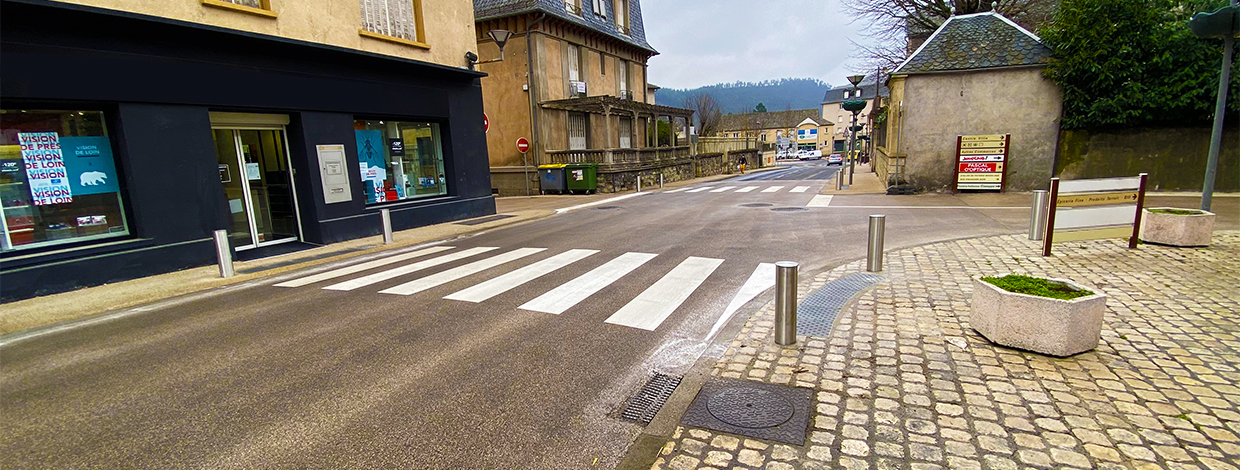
(1136, 224)
(1007, 160)
(1050, 218)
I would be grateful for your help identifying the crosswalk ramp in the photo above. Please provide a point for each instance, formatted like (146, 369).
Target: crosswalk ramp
(506, 270)
(740, 189)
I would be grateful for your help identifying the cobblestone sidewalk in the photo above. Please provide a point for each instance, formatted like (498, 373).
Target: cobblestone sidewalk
(903, 382)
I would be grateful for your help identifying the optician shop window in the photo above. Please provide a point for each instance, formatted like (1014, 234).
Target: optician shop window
(400, 160)
(58, 179)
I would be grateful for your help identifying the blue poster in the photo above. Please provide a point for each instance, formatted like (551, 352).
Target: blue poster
(372, 161)
(91, 168)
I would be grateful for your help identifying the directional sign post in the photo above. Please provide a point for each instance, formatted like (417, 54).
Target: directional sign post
(981, 161)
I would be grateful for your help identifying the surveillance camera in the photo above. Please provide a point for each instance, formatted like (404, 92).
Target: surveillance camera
(470, 56)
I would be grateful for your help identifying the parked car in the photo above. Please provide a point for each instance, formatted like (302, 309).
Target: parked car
(835, 159)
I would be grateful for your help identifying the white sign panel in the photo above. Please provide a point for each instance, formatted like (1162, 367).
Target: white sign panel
(45, 168)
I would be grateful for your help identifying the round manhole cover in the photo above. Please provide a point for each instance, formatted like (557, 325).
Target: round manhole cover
(789, 209)
(607, 208)
(757, 204)
(749, 408)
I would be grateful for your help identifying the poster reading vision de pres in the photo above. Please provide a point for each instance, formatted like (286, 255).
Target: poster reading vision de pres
(45, 168)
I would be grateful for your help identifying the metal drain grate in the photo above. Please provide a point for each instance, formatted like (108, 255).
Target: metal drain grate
(789, 209)
(816, 313)
(758, 204)
(650, 399)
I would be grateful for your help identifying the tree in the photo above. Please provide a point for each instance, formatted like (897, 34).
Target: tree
(1134, 62)
(892, 22)
(708, 113)
(761, 108)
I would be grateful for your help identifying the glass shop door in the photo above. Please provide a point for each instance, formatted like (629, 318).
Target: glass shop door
(254, 170)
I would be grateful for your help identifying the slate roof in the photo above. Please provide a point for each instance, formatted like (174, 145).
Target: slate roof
(771, 120)
(488, 9)
(977, 41)
(836, 94)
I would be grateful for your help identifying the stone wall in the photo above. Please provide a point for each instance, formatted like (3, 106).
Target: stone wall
(1175, 158)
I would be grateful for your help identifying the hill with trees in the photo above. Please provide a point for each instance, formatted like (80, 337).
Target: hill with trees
(743, 97)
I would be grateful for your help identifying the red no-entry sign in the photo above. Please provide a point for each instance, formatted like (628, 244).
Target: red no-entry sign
(523, 145)
(486, 124)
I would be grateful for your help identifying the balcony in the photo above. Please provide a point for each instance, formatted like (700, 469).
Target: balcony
(619, 157)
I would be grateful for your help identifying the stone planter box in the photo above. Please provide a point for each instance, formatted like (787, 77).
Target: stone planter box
(1040, 324)
(1177, 230)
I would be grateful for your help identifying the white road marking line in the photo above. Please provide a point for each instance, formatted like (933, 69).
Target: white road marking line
(799, 189)
(762, 279)
(820, 200)
(595, 203)
(564, 297)
(930, 207)
(772, 189)
(507, 282)
(403, 270)
(676, 190)
(698, 190)
(746, 189)
(725, 188)
(419, 285)
(357, 268)
(648, 310)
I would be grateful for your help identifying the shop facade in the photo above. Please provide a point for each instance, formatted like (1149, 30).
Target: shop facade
(127, 140)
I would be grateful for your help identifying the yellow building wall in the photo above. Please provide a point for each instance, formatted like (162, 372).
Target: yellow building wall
(505, 101)
(449, 24)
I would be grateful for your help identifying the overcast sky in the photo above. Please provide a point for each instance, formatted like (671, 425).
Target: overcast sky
(703, 42)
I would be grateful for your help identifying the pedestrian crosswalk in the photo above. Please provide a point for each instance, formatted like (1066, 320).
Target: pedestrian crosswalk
(736, 189)
(647, 311)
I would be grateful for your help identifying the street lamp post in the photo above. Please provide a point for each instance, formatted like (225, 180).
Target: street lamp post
(855, 108)
(1221, 23)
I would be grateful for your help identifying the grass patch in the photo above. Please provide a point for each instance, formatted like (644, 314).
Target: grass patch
(1036, 286)
(1176, 211)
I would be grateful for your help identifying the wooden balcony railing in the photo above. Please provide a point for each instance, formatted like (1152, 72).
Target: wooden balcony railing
(618, 156)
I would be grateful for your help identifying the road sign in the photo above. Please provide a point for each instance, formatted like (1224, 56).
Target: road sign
(981, 161)
(486, 124)
(523, 145)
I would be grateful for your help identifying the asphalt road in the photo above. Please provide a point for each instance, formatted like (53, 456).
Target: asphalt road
(259, 376)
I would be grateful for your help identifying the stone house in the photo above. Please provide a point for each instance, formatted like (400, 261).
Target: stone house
(977, 74)
(805, 127)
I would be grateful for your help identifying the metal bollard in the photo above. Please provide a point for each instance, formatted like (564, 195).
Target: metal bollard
(1038, 214)
(223, 253)
(639, 184)
(660, 180)
(786, 303)
(839, 180)
(874, 255)
(387, 225)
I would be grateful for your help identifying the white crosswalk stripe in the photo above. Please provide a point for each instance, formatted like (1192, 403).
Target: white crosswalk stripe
(746, 189)
(657, 302)
(772, 189)
(413, 287)
(357, 268)
(762, 279)
(564, 297)
(799, 189)
(499, 285)
(820, 200)
(698, 190)
(723, 189)
(403, 270)
(676, 190)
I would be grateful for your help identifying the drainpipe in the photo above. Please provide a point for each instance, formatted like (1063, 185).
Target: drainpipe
(529, 82)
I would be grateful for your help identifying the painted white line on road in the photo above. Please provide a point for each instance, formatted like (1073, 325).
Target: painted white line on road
(747, 189)
(595, 203)
(772, 189)
(403, 270)
(564, 297)
(799, 189)
(357, 268)
(698, 190)
(820, 200)
(648, 310)
(725, 188)
(419, 285)
(930, 207)
(676, 190)
(762, 279)
(507, 282)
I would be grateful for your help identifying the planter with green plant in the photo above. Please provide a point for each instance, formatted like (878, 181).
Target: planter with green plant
(1056, 317)
(1177, 227)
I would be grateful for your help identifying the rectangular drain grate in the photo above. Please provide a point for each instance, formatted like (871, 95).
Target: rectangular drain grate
(650, 399)
(817, 311)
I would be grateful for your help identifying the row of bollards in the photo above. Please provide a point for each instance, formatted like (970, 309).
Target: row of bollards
(223, 253)
(786, 283)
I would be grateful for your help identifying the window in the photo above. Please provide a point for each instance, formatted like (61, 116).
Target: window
(58, 179)
(622, 17)
(399, 160)
(764, 137)
(577, 130)
(573, 6)
(626, 133)
(598, 8)
(388, 19)
(257, 7)
(622, 75)
(574, 63)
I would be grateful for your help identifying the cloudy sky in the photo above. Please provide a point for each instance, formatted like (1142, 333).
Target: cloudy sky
(703, 42)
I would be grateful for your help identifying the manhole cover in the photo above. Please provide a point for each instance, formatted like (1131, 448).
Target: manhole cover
(757, 204)
(789, 209)
(607, 208)
(749, 408)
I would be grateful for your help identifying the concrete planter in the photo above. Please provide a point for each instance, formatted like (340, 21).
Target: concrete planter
(1177, 230)
(1040, 324)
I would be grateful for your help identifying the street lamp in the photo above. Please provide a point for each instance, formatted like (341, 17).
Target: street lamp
(500, 36)
(854, 106)
(1225, 23)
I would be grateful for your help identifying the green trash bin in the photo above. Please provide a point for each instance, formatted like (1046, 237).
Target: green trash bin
(582, 177)
(551, 179)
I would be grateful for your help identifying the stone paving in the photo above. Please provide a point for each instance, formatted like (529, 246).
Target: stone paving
(903, 382)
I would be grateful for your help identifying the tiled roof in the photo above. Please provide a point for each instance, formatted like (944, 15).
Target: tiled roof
(771, 120)
(977, 41)
(836, 94)
(488, 9)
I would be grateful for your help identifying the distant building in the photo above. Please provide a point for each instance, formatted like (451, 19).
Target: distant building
(804, 128)
(978, 74)
(833, 110)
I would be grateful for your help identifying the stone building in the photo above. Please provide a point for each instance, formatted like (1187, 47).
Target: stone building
(833, 109)
(573, 83)
(978, 74)
(286, 123)
(804, 128)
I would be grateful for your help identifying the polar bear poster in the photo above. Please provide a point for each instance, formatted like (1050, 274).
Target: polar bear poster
(92, 178)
